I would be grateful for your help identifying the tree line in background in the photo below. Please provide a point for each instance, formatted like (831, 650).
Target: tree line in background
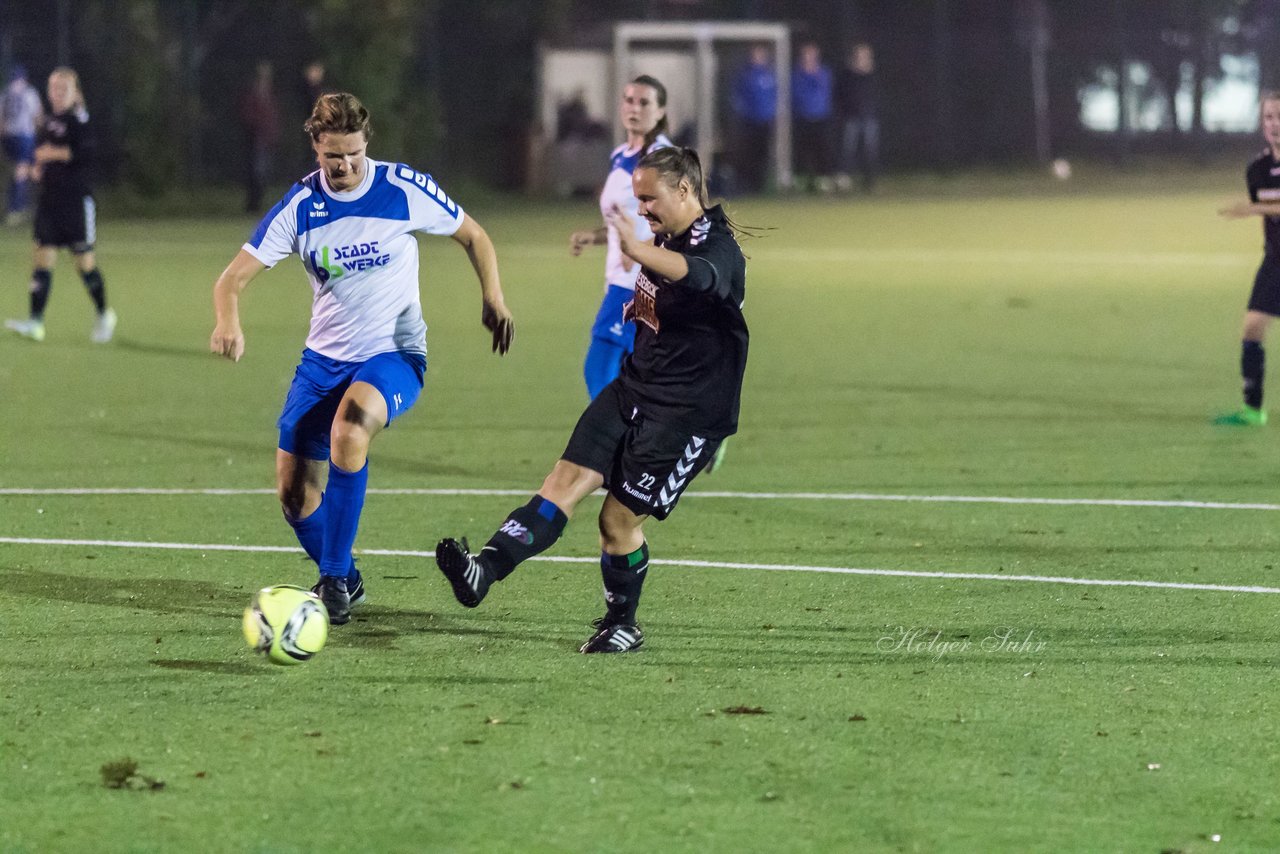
(452, 83)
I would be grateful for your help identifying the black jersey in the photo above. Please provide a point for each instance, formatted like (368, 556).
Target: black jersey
(69, 179)
(691, 337)
(1263, 179)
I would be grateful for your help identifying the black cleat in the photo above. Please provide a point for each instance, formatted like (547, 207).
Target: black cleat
(332, 591)
(613, 637)
(464, 570)
(355, 589)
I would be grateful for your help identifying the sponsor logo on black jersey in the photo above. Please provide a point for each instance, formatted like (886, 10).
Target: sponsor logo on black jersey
(644, 306)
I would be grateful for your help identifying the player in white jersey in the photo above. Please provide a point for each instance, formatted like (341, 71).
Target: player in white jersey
(352, 223)
(22, 114)
(644, 116)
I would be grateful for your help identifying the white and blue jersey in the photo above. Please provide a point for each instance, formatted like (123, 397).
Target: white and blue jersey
(618, 269)
(360, 256)
(20, 107)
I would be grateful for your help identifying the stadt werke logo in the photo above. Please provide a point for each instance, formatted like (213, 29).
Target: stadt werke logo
(331, 262)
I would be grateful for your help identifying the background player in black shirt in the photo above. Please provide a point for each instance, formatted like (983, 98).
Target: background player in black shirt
(65, 211)
(650, 431)
(1263, 180)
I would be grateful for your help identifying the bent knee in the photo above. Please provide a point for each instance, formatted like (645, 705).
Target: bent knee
(293, 499)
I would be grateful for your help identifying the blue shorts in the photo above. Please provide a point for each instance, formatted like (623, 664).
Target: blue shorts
(19, 149)
(319, 384)
(609, 326)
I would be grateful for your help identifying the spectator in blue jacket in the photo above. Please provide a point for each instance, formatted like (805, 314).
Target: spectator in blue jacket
(755, 104)
(812, 105)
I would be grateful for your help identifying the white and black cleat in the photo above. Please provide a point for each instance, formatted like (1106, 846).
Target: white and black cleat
(467, 576)
(614, 637)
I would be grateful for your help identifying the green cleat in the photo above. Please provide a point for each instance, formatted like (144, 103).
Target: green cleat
(718, 460)
(33, 329)
(1245, 416)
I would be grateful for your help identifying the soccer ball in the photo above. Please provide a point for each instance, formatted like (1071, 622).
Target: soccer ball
(1061, 169)
(285, 623)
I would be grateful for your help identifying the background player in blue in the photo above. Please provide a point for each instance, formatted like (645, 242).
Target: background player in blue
(1263, 181)
(650, 432)
(22, 113)
(352, 223)
(66, 215)
(644, 116)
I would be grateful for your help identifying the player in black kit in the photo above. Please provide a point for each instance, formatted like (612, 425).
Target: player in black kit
(650, 431)
(65, 213)
(1263, 180)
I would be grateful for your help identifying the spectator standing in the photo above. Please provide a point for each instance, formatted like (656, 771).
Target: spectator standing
(22, 114)
(857, 108)
(260, 118)
(310, 87)
(811, 100)
(755, 106)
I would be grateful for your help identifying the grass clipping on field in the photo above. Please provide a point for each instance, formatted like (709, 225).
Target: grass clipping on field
(123, 774)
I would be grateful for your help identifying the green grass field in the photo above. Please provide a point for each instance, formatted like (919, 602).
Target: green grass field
(1023, 342)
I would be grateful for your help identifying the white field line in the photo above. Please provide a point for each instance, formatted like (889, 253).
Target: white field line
(845, 254)
(923, 254)
(763, 496)
(701, 564)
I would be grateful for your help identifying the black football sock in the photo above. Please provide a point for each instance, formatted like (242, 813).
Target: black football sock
(623, 578)
(41, 282)
(1253, 364)
(97, 290)
(529, 530)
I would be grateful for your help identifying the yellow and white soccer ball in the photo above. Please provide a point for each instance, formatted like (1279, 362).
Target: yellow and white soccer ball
(285, 623)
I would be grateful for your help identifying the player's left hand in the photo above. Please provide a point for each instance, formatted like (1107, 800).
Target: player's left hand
(497, 319)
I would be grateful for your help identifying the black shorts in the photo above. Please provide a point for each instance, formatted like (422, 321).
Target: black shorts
(69, 222)
(1265, 296)
(646, 465)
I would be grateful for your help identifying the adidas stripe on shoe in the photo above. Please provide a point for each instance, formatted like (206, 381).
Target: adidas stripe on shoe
(613, 637)
(466, 574)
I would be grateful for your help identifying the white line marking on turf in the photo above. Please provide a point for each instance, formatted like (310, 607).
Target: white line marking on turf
(842, 254)
(706, 564)
(765, 496)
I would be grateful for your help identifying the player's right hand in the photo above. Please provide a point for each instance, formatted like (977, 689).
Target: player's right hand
(497, 319)
(228, 343)
(1236, 210)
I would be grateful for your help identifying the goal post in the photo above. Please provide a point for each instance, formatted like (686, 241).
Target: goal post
(702, 36)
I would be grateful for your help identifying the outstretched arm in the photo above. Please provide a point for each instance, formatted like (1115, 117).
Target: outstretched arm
(227, 338)
(1243, 209)
(484, 260)
(580, 240)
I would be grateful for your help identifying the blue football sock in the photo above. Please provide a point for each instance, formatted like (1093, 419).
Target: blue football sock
(344, 497)
(604, 362)
(18, 200)
(310, 531)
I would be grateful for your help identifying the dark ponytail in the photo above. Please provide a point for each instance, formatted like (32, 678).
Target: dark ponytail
(676, 164)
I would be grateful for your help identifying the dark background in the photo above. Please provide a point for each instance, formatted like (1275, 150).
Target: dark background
(451, 83)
